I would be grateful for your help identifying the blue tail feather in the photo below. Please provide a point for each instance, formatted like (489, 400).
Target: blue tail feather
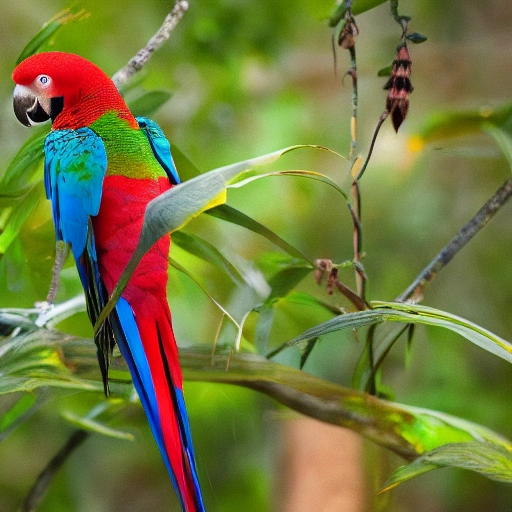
(130, 345)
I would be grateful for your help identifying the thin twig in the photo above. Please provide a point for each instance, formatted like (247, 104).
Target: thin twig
(403, 21)
(347, 40)
(137, 62)
(38, 490)
(414, 292)
(358, 243)
(356, 194)
(353, 122)
(377, 129)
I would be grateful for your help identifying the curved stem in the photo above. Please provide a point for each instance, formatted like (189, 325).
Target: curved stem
(374, 139)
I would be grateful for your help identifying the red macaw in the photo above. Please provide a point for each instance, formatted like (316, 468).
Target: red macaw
(102, 167)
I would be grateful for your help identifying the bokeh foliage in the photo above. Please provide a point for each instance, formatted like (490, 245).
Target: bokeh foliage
(248, 78)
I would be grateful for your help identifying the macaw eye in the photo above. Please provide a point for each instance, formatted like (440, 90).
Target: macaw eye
(44, 80)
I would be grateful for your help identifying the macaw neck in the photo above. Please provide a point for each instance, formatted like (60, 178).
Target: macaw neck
(88, 107)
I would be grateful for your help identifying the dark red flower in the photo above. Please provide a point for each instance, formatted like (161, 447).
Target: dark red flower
(399, 86)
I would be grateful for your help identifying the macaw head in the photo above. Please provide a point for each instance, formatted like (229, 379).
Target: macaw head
(47, 83)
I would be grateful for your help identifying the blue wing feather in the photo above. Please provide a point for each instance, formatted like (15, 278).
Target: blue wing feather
(160, 146)
(75, 165)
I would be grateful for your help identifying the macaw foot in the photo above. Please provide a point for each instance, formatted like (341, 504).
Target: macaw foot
(44, 315)
(50, 314)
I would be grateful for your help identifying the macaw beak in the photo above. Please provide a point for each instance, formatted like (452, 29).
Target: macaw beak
(29, 108)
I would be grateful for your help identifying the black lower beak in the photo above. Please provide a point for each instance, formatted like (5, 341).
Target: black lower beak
(27, 108)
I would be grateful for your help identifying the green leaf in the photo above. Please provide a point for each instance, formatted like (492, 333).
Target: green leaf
(373, 356)
(410, 314)
(49, 29)
(96, 426)
(242, 180)
(266, 316)
(20, 213)
(346, 321)
(490, 460)
(385, 71)
(199, 247)
(176, 207)
(24, 165)
(418, 314)
(186, 168)
(448, 124)
(416, 37)
(503, 137)
(309, 300)
(285, 273)
(307, 352)
(183, 270)
(149, 102)
(14, 272)
(16, 413)
(286, 280)
(366, 363)
(230, 214)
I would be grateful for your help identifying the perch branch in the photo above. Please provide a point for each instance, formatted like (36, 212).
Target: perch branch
(137, 62)
(396, 427)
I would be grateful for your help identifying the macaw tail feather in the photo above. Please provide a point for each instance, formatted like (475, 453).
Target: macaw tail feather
(147, 343)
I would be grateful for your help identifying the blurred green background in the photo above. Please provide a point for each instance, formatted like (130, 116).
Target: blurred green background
(249, 77)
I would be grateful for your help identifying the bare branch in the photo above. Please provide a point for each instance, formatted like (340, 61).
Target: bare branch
(45, 478)
(414, 292)
(396, 427)
(137, 62)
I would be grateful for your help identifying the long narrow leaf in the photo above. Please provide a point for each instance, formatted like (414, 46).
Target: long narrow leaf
(49, 29)
(23, 166)
(183, 270)
(21, 212)
(358, 7)
(149, 102)
(96, 426)
(230, 214)
(490, 460)
(173, 209)
(471, 331)
(410, 314)
(199, 247)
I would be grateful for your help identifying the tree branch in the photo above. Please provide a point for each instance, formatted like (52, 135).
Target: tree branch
(397, 427)
(38, 490)
(414, 292)
(137, 62)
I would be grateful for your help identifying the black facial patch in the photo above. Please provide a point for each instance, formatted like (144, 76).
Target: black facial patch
(56, 106)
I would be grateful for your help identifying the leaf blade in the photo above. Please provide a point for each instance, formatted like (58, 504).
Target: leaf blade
(188, 200)
(489, 460)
